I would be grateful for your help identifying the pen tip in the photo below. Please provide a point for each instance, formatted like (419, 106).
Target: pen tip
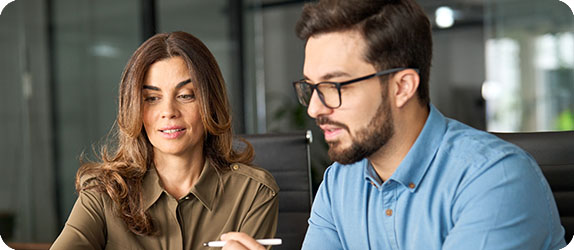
(204, 244)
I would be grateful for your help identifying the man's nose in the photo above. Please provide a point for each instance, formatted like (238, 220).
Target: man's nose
(316, 106)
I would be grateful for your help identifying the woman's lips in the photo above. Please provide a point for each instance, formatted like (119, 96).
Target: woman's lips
(171, 133)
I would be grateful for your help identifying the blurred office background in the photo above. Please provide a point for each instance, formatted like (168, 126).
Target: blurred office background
(499, 65)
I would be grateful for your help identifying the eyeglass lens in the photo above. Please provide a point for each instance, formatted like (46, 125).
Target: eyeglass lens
(328, 93)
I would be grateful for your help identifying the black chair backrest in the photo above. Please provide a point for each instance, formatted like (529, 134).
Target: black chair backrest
(554, 152)
(287, 157)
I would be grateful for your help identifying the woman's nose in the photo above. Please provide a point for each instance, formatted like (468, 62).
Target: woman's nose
(169, 109)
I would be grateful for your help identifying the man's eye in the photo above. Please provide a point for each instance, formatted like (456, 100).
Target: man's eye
(328, 88)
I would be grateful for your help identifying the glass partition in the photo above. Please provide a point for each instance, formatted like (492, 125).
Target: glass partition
(91, 43)
(530, 66)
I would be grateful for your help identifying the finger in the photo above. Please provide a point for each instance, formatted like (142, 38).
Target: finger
(233, 245)
(243, 239)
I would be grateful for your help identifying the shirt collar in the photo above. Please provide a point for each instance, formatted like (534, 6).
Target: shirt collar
(370, 173)
(415, 164)
(207, 185)
(151, 188)
(204, 189)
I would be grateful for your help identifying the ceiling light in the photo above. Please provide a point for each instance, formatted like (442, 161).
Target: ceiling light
(444, 17)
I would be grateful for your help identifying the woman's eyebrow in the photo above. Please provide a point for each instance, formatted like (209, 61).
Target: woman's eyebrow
(183, 83)
(151, 87)
(178, 86)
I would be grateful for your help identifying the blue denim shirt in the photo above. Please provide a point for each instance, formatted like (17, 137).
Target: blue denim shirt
(457, 188)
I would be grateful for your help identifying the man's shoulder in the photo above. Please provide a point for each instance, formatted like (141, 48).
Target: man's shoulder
(463, 141)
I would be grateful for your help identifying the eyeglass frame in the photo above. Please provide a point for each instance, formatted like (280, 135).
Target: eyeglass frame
(314, 87)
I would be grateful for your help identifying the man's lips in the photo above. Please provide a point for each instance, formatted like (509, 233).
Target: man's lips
(330, 134)
(327, 125)
(328, 129)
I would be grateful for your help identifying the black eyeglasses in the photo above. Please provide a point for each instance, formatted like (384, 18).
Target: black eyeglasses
(330, 92)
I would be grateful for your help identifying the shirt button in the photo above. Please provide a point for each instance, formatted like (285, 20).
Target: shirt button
(235, 167)
(411, 185)
(389, 212)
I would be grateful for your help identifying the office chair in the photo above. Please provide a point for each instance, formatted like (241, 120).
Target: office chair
(554, 152)
(287, 157)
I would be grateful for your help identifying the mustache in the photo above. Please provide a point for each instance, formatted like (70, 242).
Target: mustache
(323, 120)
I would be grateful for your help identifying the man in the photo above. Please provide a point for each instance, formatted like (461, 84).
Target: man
(406, 177)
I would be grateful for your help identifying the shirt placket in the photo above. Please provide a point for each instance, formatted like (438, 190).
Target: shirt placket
(389, 196)
(176, 241)
(181, 222)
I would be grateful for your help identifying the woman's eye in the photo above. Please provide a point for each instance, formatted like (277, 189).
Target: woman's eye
(151, 99)
(187, 97)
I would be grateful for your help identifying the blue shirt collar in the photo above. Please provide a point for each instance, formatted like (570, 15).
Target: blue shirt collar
(415, 164)
(370, 174)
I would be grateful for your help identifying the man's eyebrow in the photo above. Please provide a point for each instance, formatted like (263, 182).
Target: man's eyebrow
(330, 75)
(178, 86)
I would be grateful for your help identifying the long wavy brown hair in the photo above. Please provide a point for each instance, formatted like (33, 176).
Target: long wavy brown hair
(125, 159)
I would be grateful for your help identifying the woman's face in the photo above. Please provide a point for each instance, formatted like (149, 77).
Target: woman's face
(171, 110)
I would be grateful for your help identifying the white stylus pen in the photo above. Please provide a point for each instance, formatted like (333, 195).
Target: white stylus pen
(265, 242)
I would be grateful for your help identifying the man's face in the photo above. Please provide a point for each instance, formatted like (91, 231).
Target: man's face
(363, 123)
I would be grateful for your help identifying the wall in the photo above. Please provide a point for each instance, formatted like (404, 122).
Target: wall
(27, 187)
(458, 72)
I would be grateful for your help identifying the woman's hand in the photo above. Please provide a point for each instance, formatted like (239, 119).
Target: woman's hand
(240, 241)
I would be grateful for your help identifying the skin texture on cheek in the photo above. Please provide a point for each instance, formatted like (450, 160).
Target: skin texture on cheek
(363, 123)
(369, 138)
(170, 110)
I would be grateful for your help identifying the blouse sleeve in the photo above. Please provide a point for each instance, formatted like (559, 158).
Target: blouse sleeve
(85, 228)
(261, 220)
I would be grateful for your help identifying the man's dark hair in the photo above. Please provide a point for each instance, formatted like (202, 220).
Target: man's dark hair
(397, 32)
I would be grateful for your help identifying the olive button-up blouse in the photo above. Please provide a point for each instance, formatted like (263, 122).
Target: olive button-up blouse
(243, 199)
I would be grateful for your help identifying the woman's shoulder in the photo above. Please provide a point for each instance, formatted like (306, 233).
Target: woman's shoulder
(88, 174)
(256, 174)
(90, 188)
(89, 182)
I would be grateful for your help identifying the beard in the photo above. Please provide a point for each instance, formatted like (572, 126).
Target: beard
(367, 140)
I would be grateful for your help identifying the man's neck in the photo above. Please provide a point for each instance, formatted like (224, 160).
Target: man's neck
(408, 125)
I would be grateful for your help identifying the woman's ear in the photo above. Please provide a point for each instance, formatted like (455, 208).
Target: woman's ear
(406, 84)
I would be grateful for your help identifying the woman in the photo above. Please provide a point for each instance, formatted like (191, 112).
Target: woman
(171, 180)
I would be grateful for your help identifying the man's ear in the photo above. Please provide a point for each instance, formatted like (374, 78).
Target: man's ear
(406, 85)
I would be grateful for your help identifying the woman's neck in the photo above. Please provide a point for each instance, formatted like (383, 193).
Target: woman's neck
(179, 174)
